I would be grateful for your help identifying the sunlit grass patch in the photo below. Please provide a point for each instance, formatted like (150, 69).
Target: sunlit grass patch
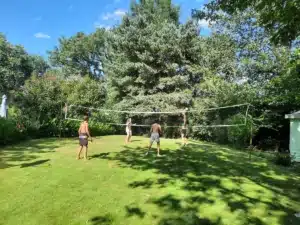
(42, 183)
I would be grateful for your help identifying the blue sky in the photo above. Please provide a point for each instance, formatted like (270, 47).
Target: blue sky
(37, 24)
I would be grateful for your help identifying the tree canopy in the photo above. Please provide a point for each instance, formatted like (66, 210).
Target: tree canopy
(16, 65)
(153, 60)
(279, 18)
(81, 54)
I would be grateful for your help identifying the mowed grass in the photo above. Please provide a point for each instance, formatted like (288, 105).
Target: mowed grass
(42, 183)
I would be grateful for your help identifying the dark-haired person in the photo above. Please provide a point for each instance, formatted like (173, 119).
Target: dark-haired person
(156, 132)
(84, 134)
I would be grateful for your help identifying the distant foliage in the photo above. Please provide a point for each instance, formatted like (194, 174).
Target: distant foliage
(282, 25)
(70, 128)
(11, 132)
(283, 159)
(240, 135)
(81, 54)
(152, 60)
(41, 101)
(16, 65)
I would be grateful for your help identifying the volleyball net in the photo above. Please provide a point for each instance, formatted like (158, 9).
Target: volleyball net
(225, 116)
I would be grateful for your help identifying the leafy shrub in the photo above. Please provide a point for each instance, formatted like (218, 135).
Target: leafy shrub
(10, 132)
(70, 128)
(283, 159)
(100, 129)
(235, 135)
(238, 135)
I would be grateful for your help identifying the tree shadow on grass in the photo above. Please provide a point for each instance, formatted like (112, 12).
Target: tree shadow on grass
(101, 155)
(217, 179)
(185, 214)
(101, 220)
(36, 163)
(10, 156)
(134, 211)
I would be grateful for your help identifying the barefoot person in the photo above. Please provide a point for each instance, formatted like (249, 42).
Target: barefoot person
(84, 134)
(184, 129)
(155, 134)
(128, 131)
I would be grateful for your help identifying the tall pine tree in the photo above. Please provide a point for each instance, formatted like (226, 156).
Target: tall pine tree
(153, 60)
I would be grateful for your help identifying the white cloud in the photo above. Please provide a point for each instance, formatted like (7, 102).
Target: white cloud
(99, 25)
(107, 20)
(115, 15)
(42, 35)
(120, 12)
(205, 23)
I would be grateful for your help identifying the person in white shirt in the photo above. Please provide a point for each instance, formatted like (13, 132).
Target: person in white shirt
(3, 108)
(128, 131)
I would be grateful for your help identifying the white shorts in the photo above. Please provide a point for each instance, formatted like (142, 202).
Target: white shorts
(128, 132)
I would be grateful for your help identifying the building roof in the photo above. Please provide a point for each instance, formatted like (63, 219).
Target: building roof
(295, 115)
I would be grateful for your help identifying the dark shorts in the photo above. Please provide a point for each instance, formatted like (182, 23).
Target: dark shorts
(154, 137)
(83, 140)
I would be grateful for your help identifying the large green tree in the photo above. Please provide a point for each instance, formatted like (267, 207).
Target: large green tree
(153, 61)
(283, 91)
(81, 54)
(280, 18)
(155, 10)
(38, 64)
(41, 100)
(258, 59)
(15, 65)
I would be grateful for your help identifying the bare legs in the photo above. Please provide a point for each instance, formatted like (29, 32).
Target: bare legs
(158, 148)
(128, 138)
(184, 139)
(85, 152)
(80, 150)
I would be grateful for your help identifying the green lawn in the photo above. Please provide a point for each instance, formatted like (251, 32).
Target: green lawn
(41, 183)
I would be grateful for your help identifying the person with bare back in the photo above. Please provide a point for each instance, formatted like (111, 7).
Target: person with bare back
(84, 134)
(156, 132)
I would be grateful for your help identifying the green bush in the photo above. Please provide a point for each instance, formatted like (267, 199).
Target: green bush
(235, 135)
(100, 129)
(283, 159)
(239, 135)
(10, 133)
(70, 128)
